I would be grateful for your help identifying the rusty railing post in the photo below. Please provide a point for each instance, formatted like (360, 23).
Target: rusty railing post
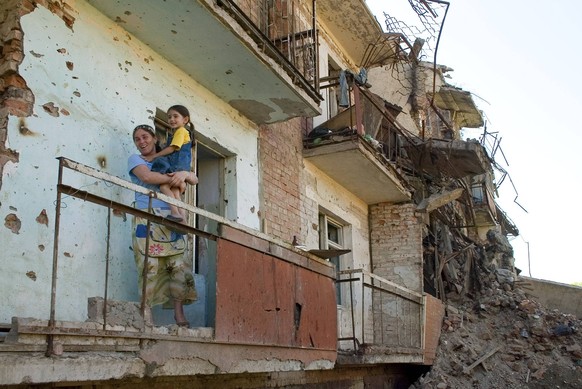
(144, 272)
(51, 323)
(106, 267)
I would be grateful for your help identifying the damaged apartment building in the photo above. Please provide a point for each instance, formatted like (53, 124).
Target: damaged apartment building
(337, 205)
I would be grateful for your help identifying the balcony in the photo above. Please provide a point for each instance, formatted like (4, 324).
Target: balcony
(461, 103)
(272, 307)
(392, 324)
(452, 158)
(260, 61)
(360, 149)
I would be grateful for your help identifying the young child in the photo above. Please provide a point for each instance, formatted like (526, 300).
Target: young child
(176, 156)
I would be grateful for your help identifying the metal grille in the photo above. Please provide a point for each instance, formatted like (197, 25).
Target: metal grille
(289, 26)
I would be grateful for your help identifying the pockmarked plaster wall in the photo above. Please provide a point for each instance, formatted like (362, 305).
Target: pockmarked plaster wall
(92, 83)
(342, 205)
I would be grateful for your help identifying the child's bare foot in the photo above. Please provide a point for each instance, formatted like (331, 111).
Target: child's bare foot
(192, 179)
(174, 218)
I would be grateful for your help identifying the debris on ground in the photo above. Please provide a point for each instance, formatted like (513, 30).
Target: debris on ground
(499, 337)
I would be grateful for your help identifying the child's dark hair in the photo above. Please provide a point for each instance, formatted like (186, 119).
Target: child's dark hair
(184, 112)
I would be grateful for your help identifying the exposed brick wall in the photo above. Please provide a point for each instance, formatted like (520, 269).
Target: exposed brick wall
(396, 240)
(396, 236)
(280, 150)
(16, 98)
(13, 90)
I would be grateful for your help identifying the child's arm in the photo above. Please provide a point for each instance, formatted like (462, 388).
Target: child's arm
(167, 151)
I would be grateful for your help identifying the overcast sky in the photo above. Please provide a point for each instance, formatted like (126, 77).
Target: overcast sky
(520, 59)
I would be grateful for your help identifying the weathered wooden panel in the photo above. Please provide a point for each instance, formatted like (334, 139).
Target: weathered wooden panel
(262, 299)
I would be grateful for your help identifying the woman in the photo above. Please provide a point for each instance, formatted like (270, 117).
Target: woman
(169, 280)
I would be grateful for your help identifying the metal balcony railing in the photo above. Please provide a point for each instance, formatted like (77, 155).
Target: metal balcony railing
(383, 313)
(286, 31)
(112, 206)
(371, 119)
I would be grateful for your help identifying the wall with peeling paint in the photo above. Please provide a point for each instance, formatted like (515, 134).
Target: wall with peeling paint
(93, 83)
(396, 86)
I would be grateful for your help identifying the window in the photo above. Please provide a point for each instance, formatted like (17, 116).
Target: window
(331, 237)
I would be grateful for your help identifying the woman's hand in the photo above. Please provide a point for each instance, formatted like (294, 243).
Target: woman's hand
(178, 178)
(181, 177)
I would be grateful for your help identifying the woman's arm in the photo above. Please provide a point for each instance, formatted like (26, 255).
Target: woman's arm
(162, 153)
(183, 176)
(147, 176)
(173, 179)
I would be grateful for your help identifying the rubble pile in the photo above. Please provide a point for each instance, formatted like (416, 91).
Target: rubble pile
(498, 337)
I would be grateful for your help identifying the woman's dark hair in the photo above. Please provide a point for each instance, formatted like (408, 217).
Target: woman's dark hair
(144, 127)
(184, 112)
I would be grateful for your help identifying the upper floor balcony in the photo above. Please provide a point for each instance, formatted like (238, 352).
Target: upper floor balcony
(486, 210)
(360, 149)
(259, 57)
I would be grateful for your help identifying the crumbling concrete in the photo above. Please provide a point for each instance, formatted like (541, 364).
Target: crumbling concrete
(118, 313)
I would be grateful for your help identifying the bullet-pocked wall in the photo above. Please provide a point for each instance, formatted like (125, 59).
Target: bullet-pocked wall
(90, 83)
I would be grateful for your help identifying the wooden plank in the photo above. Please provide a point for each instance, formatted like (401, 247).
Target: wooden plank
(438, 200)
(468, 369)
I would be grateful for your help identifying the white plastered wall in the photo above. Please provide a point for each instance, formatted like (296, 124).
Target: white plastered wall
(394, 86)
(351, 211)
(112, 83)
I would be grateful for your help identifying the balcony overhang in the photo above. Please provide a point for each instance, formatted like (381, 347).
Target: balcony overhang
(361, 37)
(204, 41)
(466, 113)
(357, 167)
(456, 159)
